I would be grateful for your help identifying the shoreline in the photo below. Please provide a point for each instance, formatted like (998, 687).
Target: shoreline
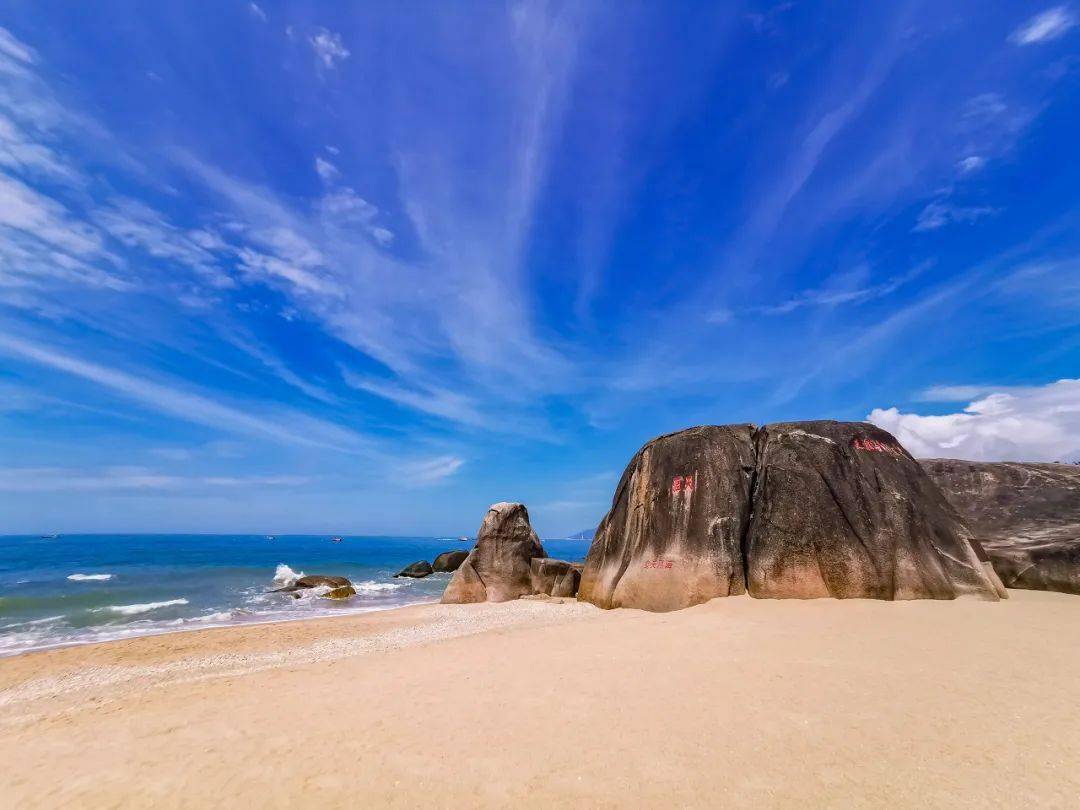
(167, 631)
(738, 702)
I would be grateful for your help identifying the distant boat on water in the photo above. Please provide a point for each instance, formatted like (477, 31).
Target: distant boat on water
(269, 537)
(463, 539)
(335, 539)
(49, 536)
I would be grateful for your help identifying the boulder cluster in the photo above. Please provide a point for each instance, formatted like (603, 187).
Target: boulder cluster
(791, 510)
(445, 563)
(796, 510)
(509, 562)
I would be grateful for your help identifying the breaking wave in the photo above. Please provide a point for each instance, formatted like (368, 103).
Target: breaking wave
(371, 586)
(285, 576)
(134, 610)
(89, 577)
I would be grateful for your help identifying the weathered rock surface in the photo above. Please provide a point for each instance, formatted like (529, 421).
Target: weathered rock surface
(841, 509)
(340, 587)
(793, 510)
(673, 537)
(499, 568)
(1025, 515)
(449, 561)
(554, 577)
(416, 570)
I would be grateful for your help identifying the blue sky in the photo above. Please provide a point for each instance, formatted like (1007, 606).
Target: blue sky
(367, 268)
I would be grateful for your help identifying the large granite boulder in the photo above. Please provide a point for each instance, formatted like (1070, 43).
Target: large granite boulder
(499, 567)
(1026, 516)
(554, 577)
(673, 537)
(448, 561)
(841, 509)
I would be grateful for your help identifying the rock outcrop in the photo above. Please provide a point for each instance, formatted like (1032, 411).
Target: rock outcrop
(841, 509)
(674, 535)
(1025, 515)
(448, 561)
(339, 587)
(416, 570)
(499, 568)
(794, 510)
(554, 577)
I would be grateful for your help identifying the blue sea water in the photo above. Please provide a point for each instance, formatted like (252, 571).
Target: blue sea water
(76, 589)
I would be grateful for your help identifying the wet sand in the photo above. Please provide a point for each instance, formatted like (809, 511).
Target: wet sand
(738, 702)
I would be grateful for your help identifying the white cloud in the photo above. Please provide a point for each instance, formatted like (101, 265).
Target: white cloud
(257, 11)
(65, 479)
(435, 401)
(326, 170)
(972, 163)
(1045, 26)
(13, 48)
(287, 427)
(1014, 424)
(845, 292)
(429, 471)
(329, 48)
(938, 214)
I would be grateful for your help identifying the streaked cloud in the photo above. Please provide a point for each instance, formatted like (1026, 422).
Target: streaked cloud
(940, 213)
(1044, 26)
(290, 428)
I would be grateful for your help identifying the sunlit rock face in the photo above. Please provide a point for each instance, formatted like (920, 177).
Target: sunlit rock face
(499, 568)
(1025, 515)
(794, 510)
(840, 509)
(673, 537)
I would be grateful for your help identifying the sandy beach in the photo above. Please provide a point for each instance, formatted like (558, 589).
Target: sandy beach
(738, 702)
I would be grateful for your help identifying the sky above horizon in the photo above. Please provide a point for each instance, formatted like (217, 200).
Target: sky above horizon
(368, 268)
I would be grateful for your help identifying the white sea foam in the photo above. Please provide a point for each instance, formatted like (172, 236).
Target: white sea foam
(89, 577)
(46, 620)
(285, 576)
(134, 610)
(371, 586)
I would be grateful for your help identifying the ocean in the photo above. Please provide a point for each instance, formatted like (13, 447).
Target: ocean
(78, 589)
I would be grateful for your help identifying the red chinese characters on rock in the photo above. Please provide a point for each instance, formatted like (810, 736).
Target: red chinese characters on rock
(682, 483)
(657, 564)
(873, 445)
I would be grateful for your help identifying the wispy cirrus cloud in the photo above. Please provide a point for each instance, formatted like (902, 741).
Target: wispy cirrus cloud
(289, 428)
(132, 479)
(940, 213)
(1044, 26)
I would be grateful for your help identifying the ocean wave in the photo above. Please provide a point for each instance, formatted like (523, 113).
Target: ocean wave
(285, 576)
(134, 610)
(32, 622)
(371, 586)
(89, 577)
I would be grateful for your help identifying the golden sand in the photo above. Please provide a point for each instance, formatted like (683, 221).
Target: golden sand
(736, 703)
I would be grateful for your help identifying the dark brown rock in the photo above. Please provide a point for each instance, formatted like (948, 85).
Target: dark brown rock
(1025, 515)
(449, 561)
(554, 577)
(673, 537)
(841, 509)
(498, 568)
(416, 570)
(340, 587)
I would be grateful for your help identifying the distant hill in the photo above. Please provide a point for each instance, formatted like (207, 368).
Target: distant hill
(587, 534)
